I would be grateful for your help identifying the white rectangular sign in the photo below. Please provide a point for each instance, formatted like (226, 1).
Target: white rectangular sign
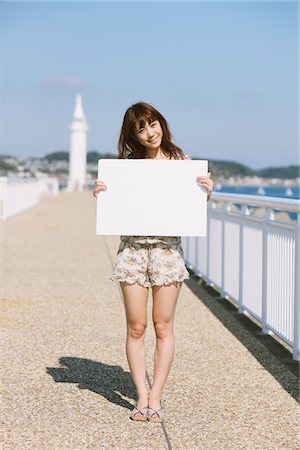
(147, 197)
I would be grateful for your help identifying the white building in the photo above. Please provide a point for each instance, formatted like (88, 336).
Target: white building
(78, 148)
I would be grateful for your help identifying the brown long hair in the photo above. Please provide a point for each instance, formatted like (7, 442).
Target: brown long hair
(139, 114)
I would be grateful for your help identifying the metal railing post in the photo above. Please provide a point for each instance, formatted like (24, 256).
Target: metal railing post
(296, 345)
(244, 212)
(225, 208)
(3, 197)
(265, 279)
(213, 205)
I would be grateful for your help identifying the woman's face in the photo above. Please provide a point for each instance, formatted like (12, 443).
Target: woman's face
(150, 135)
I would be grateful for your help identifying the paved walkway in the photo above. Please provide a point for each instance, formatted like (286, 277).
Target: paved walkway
(65, 379)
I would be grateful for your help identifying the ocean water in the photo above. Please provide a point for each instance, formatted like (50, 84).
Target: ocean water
(271, 191)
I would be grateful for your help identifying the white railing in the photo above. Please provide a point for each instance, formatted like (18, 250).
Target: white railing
(252, 256)
(48, 186)
(20, 194)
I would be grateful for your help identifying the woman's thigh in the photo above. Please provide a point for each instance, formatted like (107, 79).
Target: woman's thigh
(164, 302)
(135, 303)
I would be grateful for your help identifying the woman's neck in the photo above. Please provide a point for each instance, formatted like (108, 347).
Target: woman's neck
(155, 154)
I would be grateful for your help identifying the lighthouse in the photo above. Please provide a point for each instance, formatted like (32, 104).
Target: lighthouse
(78, 148)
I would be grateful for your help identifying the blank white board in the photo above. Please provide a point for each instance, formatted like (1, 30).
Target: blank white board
(147, 197)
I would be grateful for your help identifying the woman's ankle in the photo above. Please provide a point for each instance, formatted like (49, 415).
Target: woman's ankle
(142, 399)
(155, 397)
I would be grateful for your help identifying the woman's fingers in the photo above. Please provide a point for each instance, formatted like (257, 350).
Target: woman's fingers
(98, 182)
(99, 186)
(97, 190)
(204, 177)
(206, 181)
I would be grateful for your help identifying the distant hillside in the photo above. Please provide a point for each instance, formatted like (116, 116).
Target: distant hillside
(92, 156)
(57, 156)
(5, 167)
(227, 169)
(279, 172)
(2, 156)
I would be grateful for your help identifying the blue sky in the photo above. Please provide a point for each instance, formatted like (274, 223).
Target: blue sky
(223, 74)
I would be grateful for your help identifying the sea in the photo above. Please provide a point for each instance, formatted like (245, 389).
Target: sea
(266, 191)
(272, 191)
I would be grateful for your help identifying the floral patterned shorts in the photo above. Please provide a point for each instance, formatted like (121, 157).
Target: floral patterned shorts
(150, 261)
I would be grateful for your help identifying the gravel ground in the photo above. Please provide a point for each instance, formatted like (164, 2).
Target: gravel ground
(65, 382)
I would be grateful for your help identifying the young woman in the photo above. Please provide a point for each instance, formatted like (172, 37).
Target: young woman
(149, 261)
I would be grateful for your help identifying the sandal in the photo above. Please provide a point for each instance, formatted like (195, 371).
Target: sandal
(159, 412)
(143, 411)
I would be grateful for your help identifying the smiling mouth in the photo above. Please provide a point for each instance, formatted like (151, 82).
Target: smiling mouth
(154, 140)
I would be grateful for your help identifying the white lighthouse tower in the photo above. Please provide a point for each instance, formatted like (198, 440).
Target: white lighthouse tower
(78, 148)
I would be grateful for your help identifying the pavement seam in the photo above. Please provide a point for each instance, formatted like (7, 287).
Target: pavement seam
(162, 423)
(166, 435)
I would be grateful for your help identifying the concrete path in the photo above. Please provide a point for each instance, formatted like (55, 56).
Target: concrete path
(65, 382)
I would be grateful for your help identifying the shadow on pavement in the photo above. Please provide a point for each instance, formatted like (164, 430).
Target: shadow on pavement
(110, 381)
(274, 357)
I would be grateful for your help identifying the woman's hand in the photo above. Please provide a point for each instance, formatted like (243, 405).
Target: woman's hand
(207, 183)
(99, 186)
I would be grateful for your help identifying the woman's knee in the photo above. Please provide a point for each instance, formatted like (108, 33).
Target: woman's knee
(163, 329)
(136, 330)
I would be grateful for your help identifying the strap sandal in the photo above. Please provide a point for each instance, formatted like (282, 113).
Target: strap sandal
(143, 411)
(159, 413)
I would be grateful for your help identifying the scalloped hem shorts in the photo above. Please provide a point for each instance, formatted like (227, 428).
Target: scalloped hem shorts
(148, 264)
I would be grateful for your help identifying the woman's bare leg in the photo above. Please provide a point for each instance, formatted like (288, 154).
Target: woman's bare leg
(135, 302)
(163, 312)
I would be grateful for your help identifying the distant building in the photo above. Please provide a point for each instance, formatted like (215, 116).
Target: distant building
(78, 148)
